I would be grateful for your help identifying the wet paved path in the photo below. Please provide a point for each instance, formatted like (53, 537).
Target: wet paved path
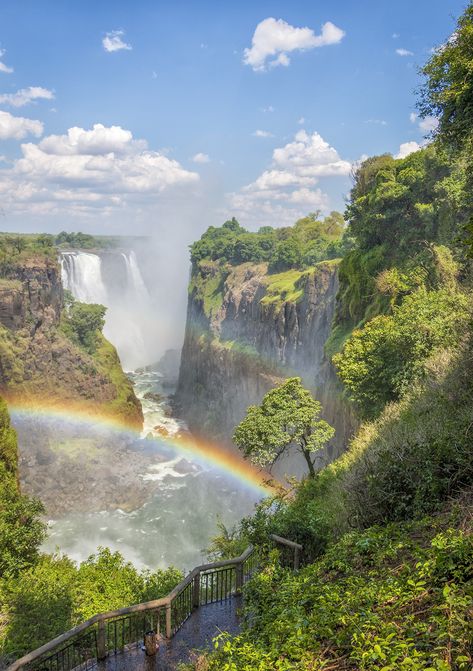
(196, 633)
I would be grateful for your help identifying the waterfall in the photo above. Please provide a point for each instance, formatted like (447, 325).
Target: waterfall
(135, 280)
(119, 285)
(81, 274)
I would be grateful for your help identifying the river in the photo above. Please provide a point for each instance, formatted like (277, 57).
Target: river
(185, 494)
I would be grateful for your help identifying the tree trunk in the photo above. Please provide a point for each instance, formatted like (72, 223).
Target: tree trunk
(310, 464)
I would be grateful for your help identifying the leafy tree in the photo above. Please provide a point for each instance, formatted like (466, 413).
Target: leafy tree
(45, 240)
(309, 241)
(287, 254)
(448, 90)
(55, 595)
(404, 202)
(288, 415)
(381, 360)
(448, 95)
(17, 243)
(82, 322)
(21, 529)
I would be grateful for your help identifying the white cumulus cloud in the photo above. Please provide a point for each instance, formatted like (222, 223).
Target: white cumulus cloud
(17, 127)
(201, 158)
(96, 169)
(404, 52)
(274, 38)
(26, 96)
(310, 155)
(407, 148)
(428, 124)
(288, 188)
(113, 41)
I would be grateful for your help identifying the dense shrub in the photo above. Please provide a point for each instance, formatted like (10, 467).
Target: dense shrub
(381, 361)
(381, 600)
(83, 322)
(21, 531)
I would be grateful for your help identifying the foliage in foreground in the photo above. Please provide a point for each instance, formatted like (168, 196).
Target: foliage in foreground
(55, 594)
(389, 598)
(402, 466)
(21, 531)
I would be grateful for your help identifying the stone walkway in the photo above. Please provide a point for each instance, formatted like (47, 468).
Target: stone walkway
(196, 633)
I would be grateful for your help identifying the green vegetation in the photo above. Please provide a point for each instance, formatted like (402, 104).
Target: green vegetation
(288, 415)
(124, 404)
(83, 241)
(83, 322)
(207, 285)
(54, 594)
(389, 598)
(21, 532)
(301, 246)
(382, 360)
(282, 287)
(386, 528)
(41, 595)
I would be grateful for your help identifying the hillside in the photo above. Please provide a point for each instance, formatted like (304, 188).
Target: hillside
(41, 357)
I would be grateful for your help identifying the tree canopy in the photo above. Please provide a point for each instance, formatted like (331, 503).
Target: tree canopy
(381, 361)
(82, 322)
(309, 241)
(288, 415)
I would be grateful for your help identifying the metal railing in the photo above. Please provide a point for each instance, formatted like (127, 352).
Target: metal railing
(290, 551)
(116, 631)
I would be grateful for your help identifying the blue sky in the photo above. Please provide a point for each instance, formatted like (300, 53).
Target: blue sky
(193, 127)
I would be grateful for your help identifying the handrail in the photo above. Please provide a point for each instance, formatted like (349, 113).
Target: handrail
(101, 619)
(137, 608)
(297, 547)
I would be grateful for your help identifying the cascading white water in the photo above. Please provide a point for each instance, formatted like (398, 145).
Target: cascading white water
(81, 274)
(135, 279)
(124, 294)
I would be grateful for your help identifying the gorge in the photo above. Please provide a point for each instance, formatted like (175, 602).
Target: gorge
(107, 483)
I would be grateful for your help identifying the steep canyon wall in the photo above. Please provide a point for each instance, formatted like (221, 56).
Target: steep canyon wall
(246, 330)
(37, 358)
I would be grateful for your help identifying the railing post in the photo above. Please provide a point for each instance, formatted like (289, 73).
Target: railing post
(296, 559)
(196, 591)
(168, 620)
(238, 577)
(101, 640)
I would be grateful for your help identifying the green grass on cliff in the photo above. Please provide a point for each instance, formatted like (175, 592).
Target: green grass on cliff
(124, 405)
(284, 287)
(288, 287)
(206, 285)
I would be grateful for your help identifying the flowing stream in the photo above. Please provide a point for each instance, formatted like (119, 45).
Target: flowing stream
(174, 525)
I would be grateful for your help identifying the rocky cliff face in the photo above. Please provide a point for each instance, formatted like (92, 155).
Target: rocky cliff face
(245, 331)
(38, 361)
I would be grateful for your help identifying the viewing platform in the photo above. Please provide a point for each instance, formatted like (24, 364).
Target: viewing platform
(204, 604)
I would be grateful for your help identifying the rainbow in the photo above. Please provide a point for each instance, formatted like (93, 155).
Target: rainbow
(189, 447)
